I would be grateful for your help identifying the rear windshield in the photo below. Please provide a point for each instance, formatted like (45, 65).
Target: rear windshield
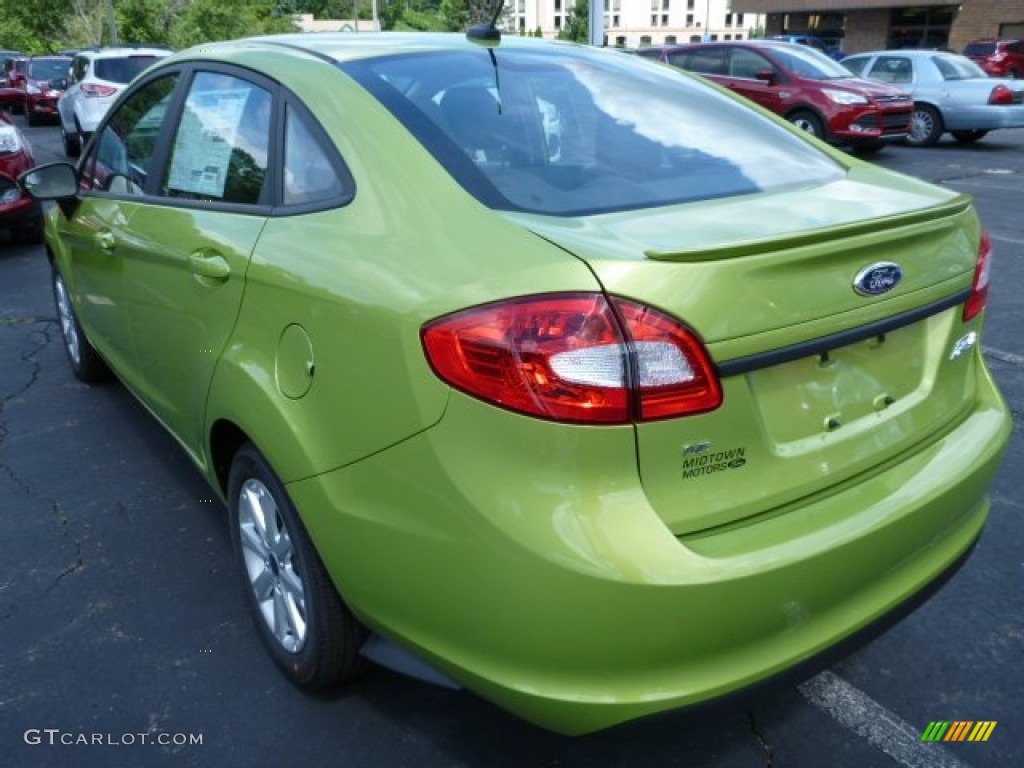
(121, 70)
(48, 69)
(570, 131)
(980, 49)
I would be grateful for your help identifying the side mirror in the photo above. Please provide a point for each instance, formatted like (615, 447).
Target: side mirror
(766, 75)
(55, 181)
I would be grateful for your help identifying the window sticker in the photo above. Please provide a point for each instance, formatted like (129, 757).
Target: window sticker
(206, 138)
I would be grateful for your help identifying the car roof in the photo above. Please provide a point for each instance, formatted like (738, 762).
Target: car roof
(349, 46)
(124, 50)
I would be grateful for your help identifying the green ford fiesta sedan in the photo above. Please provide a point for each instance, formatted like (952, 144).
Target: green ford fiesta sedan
(541, 369)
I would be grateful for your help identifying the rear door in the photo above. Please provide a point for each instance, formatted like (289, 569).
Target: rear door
(186, 263)
(752, 75)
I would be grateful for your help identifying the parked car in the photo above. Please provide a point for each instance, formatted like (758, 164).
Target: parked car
(4, 57)
(97, 76)
(811, 41)
(999, 58)
(951, 93)
(803, 85)
(45, 77)
(20, 214)
(587, 386)
(15, 67)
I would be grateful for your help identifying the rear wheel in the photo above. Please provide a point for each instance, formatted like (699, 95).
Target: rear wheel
(30, 235)
(85, 362)
(309, 631)
(809, 122)
(969, 137)
(72, 142)
(925, 126)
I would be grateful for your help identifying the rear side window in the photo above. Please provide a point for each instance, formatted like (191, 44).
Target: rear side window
(309, 175)
(893, 69)
(706, 62)
(572, 132)
(744, 63)
(220, 149)
(122, 70)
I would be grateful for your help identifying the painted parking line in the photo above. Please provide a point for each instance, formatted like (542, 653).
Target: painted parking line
(1006, 239)
(858, 712)
(1004, 357)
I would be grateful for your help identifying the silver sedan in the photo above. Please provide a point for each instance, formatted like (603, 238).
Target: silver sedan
(951, 93)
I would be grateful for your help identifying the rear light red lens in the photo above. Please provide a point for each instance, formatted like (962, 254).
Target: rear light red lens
(93, 91)
(574, 358)
(979, 290)
(1000, 95)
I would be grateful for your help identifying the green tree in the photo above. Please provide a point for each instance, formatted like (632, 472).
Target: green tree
(577, 26)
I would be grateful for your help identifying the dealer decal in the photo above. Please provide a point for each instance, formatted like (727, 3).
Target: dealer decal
(710, 463)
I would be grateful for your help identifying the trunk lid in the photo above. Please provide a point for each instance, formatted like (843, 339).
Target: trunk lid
(820, 382)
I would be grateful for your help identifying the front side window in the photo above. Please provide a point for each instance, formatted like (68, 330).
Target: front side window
(567, 132)
(122, 154)
(220, 149)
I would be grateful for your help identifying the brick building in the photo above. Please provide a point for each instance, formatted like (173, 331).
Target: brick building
(863, 25)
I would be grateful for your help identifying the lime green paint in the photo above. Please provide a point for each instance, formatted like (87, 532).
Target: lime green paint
(571, 574)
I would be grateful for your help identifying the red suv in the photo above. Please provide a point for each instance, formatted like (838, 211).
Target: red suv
(1000, 58)
(43, 80)
(19, 213)
(804, 86)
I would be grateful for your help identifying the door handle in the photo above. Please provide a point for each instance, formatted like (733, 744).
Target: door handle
(105, 240)
(211, 266)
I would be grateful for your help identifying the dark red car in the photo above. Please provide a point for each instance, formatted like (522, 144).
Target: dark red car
(999, 58)
(43, 80)
(19, 213)
(802, 85)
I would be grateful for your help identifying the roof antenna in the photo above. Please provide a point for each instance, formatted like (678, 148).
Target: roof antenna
(487, 34)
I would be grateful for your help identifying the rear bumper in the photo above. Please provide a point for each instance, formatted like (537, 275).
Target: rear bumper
(524, 561)
(984, 118)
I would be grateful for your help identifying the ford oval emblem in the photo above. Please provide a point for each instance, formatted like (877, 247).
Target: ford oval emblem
(876, 279)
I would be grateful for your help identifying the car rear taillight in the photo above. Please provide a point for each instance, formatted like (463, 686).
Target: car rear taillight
(979, 290)
(1000, 95)
(93, 91)
(574, 358)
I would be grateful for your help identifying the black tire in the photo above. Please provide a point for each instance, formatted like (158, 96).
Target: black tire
(925, 126)
(807, 121)
(307, 628)
(72, 142)
(85, 361)
(30, 235)
(969, 137)
(868, 148)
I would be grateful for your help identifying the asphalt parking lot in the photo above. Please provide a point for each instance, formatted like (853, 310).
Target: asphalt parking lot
(126, 641)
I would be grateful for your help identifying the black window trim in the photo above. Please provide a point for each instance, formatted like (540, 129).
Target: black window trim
(186, 73)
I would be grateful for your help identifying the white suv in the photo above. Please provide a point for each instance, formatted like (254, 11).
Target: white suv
(97, 76)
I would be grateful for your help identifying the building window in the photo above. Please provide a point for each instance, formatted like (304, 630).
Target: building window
(689, 19)
(645, 40)
(727, 37)
(558, 22)
(689, 5)
(558, 5)
(664, 5)
(739, 37)
(654, 19)
(615, 22)
(739, 19)
(664, 19)
(670, 39)
(728, 19)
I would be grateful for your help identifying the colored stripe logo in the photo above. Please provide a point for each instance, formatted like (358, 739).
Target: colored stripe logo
(958, 730)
